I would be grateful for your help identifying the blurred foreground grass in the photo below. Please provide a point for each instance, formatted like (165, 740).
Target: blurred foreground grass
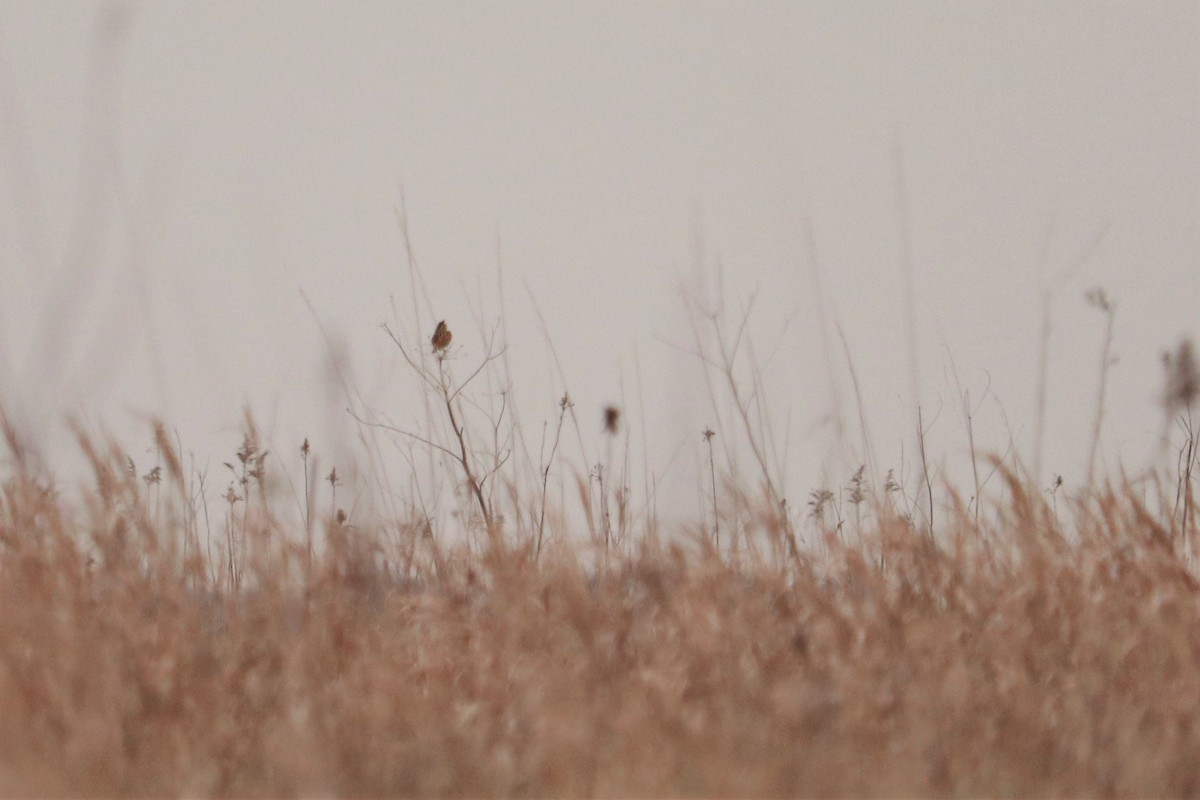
(1024, 656)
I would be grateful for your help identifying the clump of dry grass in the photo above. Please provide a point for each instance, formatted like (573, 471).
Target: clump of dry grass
(149, 647)
(1025, 657)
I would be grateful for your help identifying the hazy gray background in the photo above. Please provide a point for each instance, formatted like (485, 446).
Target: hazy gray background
(175, 178)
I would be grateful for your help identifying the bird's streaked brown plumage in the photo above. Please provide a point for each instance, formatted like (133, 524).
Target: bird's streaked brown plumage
(441, 337)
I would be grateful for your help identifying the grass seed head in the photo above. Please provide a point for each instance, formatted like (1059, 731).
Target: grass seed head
(1183, 378)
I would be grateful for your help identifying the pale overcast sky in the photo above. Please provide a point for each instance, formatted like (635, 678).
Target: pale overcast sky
(177, 177)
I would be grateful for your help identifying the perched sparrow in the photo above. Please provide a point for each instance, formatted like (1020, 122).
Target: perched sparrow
(441, 337)
(612, 419)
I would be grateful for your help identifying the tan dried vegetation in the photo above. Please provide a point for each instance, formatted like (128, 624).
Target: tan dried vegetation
(1025, 651)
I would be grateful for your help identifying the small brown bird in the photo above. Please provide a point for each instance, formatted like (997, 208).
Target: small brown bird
(612, 419)
(441, 337)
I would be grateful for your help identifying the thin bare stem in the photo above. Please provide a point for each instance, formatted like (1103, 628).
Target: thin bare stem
(921, 431)
(712, 474)
(1098, 299)
(563, 405)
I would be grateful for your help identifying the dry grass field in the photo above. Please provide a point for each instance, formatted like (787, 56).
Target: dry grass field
(151, 645)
